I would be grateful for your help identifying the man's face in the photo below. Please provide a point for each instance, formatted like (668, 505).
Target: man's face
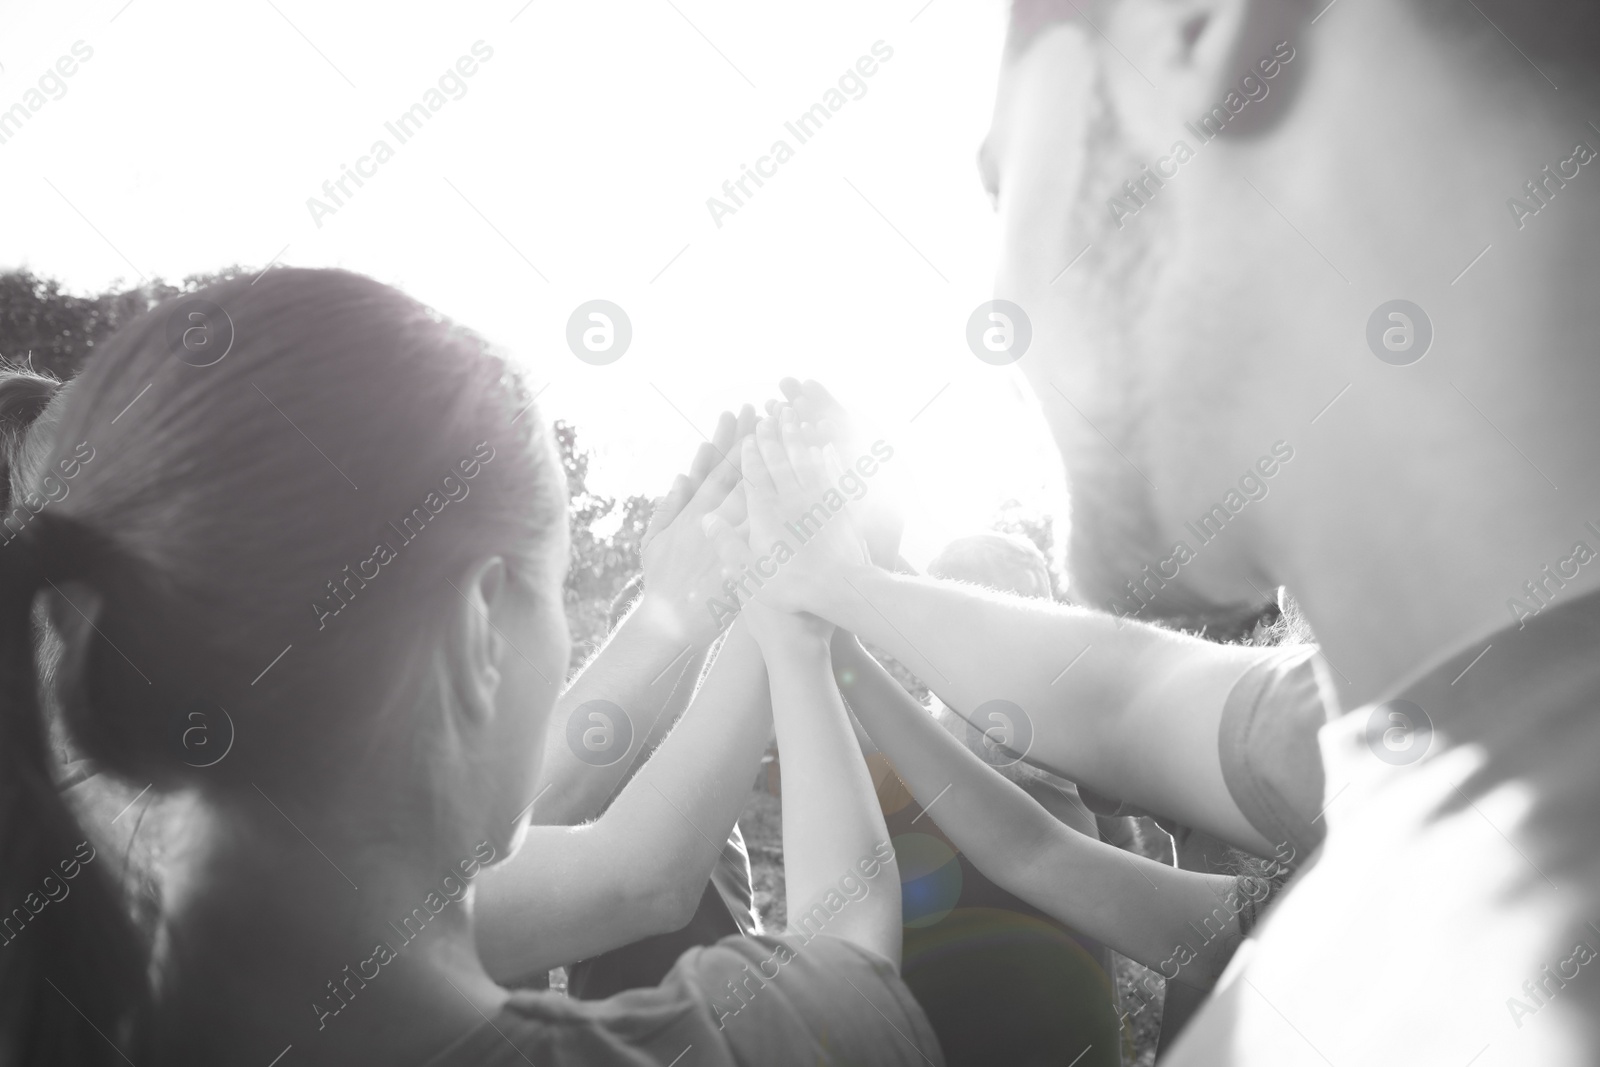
(1132, 357)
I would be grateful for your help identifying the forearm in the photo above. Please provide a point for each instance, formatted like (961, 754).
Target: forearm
(640, 868)
(639, 669)
(1138, 907)
(1129, 709)
(840, 876)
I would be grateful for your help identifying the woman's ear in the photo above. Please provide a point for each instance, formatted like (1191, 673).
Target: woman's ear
(1183, 58)
(475, 642)
(73, 610)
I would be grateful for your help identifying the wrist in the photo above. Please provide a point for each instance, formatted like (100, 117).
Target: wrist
(847, 600)
(677, 616)
(787, 641)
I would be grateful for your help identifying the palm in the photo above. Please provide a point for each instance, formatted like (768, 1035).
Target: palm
(878, 518)
(802, 533)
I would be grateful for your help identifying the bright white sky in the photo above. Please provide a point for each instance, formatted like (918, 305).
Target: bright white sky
(590, 141)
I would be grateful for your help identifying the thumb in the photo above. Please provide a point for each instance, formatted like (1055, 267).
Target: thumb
(730, 547)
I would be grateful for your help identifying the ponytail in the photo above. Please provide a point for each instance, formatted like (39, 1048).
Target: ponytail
(72, 966)
(24, 395)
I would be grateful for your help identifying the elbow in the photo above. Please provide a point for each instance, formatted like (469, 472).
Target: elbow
(504, 956)
(663, 905)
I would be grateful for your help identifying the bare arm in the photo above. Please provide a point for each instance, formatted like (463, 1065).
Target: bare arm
(660, 645)
(1126, 708)
(1141, 908)
(641, 671)
(839, 868)
(639, 869)
(1130, 710)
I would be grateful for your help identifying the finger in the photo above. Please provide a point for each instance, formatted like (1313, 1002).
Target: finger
(818, 394)
(829, 463)
(655, 525)
(831, 428)
(795, 447)
(712, 491)
(732, 510)
(722, 436)
(814, 480)
(735, 510)
(744, 426)
(826, 410)
(757, 477)
(731, 549)
(706, 457)
(811, 432)
(667, 509)
(811, 399)
(769, 442)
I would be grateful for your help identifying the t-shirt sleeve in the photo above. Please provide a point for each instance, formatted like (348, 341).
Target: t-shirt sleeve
(742, 1002)
(783, 1000)
(1268, 746)
(731, 878)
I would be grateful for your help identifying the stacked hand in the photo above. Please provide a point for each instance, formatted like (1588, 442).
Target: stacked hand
(880, 518)
(682, 569)
(797, 548)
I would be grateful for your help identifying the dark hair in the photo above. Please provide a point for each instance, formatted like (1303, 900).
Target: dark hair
(1553, 33)
(210, 510)
(1004, 562)
(24, 394)
(1560, 34)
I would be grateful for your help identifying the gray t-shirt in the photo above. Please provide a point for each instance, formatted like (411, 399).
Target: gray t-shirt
(746, 1001)
(1449, 916)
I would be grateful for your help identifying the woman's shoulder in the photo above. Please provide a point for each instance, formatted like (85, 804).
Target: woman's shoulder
(756, 1000)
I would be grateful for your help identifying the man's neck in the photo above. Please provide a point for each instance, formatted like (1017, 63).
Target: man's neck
(1404, 552)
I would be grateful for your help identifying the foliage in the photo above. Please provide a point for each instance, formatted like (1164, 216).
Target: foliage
(601, 564)
(54, 331)
(1038, 528)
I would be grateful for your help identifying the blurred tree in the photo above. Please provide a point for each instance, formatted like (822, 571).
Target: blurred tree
(601, 563)
(54, 331)
(1039, 528)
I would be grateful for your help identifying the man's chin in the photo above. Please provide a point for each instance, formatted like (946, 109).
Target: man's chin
(1115, 567)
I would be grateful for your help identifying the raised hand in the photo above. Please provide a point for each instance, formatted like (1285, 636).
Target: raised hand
(802, 536)
(880, 516)
(682, 568)
(720, 449)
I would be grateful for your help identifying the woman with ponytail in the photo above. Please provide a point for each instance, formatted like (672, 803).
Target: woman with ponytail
(340, 546)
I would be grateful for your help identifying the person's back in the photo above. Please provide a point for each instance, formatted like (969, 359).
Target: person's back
(343, 545)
